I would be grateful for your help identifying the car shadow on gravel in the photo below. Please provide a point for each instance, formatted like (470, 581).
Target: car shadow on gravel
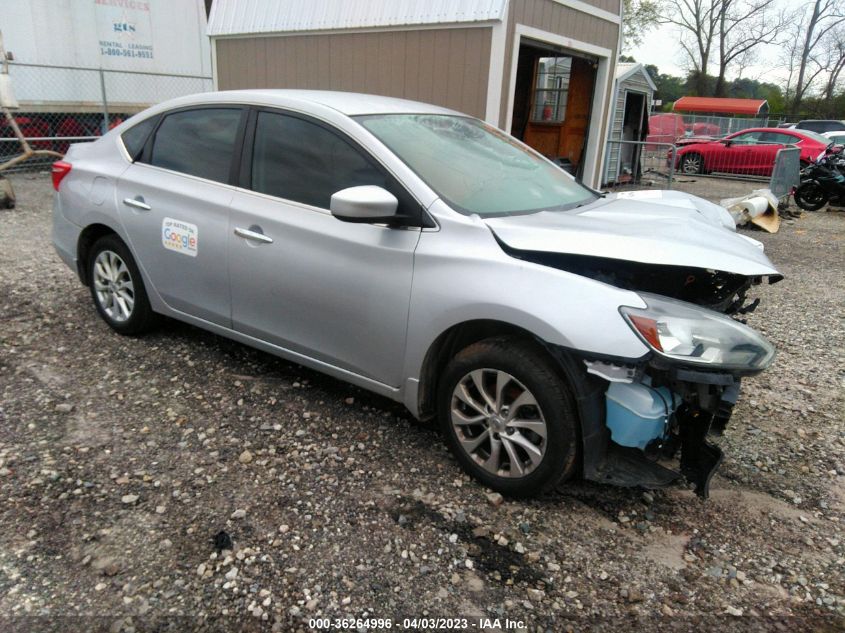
(248, 362)
(488, 557)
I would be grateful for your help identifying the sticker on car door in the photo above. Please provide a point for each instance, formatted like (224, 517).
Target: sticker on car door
(181, 237)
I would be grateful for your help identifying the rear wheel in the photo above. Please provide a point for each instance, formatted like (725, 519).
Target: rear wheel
(117, 288)
(692, 164)
(810, 196)
(508, 417)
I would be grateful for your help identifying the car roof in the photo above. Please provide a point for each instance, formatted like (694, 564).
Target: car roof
(348, 103)
(779, 130)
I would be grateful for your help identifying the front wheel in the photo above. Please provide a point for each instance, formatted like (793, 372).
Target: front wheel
(692, 164)
(810, 196)
(508, 417)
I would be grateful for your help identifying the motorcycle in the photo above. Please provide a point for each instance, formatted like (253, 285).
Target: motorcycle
(822, 182)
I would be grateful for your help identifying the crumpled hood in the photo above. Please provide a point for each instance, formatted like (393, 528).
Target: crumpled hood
(671, 228)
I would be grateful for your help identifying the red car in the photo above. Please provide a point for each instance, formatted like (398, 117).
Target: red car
(750, 151)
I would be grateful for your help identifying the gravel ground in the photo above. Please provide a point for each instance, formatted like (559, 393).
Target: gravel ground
(121, 459)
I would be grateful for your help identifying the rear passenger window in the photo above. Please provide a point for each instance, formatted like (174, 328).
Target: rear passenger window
(135, 137)
(304, 162)
(198, 142)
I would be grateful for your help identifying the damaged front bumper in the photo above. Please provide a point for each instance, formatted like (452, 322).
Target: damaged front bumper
(705, 401)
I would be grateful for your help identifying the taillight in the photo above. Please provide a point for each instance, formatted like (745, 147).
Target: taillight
(60, 170)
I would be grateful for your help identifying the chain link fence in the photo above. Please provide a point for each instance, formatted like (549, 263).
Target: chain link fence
(60, 105)
(702, 125)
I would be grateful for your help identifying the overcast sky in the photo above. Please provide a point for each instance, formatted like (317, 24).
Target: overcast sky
(660, 47)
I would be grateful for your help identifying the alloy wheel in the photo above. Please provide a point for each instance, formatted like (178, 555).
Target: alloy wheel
(691, 164)
(498, 423)
(113, 286)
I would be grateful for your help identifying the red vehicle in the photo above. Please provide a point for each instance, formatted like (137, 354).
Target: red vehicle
(750, 151)
(665, 128)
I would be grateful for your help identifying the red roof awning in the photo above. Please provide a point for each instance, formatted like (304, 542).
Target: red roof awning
(719, 105)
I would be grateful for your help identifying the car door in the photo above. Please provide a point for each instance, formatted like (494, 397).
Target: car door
(174, 204)
(735, 156)
(770, 144)
(334, 291)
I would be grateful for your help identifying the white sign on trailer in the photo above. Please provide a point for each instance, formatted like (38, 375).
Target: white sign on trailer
(124, 29)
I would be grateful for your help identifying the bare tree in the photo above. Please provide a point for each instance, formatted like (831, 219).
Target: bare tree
(824, 18)
(698, 21)
(834, 60)
(729, 30)
(744, 25)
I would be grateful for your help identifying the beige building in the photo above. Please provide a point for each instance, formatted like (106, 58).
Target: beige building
(540, 69)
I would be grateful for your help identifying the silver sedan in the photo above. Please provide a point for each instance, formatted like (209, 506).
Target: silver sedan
(422, 254)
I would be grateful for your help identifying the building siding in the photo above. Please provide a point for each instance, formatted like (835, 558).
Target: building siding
(634, 83)
(447, 67)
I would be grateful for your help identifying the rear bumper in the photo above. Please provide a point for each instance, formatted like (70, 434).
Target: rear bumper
(65, 237)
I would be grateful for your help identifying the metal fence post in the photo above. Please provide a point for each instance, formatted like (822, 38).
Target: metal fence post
(105, 101)
(671, 166)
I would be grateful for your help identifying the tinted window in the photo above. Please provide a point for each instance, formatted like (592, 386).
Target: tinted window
(135, 137)
(304, 162)
(197, 142)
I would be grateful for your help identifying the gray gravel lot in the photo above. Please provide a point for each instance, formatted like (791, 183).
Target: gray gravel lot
(120, 459)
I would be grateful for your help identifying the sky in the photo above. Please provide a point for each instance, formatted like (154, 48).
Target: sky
(660, 47)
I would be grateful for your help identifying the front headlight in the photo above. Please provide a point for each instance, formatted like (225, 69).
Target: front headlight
(684, 332)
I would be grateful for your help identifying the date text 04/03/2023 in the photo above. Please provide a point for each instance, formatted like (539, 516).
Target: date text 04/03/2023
(423, 624)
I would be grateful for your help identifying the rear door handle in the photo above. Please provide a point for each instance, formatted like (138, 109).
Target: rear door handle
(255, 236)
(137, 203)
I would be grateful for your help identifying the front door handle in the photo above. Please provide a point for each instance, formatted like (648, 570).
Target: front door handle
(255, 236)
(137, 202)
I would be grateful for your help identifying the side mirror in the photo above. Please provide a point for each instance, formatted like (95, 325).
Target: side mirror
(363, 204)
(727, 142)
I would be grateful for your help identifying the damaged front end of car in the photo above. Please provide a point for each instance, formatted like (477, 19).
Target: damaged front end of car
(685, 388)
(692, 277)
(668, 404)
(637, 415)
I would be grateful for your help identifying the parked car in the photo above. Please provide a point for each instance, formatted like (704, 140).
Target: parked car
(664, 128)
(838, 137)
(821, 125)
(749, 152)
(703, 128)
(424, 255)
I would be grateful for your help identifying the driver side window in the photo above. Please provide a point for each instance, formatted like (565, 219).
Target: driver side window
(749, 138)
(301, 161)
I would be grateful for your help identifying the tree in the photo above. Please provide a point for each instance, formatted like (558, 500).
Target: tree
(730, 30)
(743, 26)
(824, 17)
(834, 60)
(698, 21)
(638, 18)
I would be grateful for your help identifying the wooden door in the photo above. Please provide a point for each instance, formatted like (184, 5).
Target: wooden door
(574, 131)
(565, 139)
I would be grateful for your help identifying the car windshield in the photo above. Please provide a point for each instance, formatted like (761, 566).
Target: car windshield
(475, 167)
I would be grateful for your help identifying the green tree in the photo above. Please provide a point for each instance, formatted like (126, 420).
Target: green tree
(638, 18)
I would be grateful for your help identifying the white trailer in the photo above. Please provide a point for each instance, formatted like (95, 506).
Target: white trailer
(74, 55)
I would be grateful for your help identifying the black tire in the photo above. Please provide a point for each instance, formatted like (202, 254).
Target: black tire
(534, 371)
(691, 163)
(141, 317)
(810, 196)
